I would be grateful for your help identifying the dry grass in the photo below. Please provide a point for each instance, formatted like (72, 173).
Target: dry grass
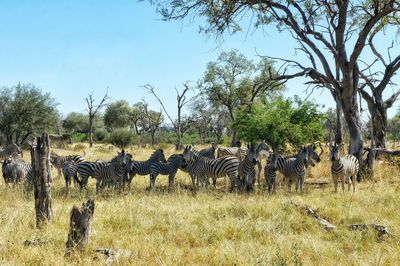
(180, 227)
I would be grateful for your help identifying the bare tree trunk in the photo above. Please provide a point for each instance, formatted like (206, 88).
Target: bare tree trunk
(91, 131)
(153, 140)
(41, 173)
(379, 124)
(80, 226)
(179, 145)
(352, 116)
(339, 126)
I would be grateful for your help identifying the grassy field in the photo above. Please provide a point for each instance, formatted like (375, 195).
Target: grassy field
(180, 227)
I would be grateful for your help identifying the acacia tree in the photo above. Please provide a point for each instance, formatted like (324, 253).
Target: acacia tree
(151, 121)
(117, 114)
(92, 110)
(331, 34)
(182, 123)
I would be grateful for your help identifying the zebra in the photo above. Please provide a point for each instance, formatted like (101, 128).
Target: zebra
(86, 169)
(70, 170)
(294, 169)
(9, 150)
(57, 161)
(111, 173)
(343, 167)
(202, 168)
(168, 168)
(248, 167)
(239, 152)
(16, 170)
(270, 172)
(263, 151)
(143, 167)
(208, 152)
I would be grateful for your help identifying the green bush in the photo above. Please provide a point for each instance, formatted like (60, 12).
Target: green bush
(121, 137)
(101, 134)
(79, 137)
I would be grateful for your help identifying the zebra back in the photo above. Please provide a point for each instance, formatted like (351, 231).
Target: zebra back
(143, 167)
(57, 161)
(111, 173)
(9, 150)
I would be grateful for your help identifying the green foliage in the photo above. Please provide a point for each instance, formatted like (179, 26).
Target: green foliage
(121, 137)
(25, 110)
(281, 122)
(78, 122)
(79, 137)
(101, 134)
(393, 128)
(117, 114)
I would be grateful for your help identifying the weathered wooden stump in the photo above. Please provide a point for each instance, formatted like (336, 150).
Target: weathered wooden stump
(80, 226)
(41, 174)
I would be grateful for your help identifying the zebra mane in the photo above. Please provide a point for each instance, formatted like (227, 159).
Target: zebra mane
(156, 153)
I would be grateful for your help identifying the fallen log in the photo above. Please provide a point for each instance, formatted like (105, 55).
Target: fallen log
(113, 254)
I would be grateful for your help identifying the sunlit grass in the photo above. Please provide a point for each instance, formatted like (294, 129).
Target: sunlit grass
(181, 227)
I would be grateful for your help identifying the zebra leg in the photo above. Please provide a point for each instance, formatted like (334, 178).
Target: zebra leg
(343, 181)
(301, 184)
(349, 184)
(335, 182)
(171, 179)
(153, 177)
(354, 182)
(59, 171)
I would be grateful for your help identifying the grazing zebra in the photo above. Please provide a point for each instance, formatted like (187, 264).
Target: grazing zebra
(70, 170)
(9, 150)
(208, 152)
(203, 168)
(248, 168)
(270, 172)
(239, 152)
(168, 168)
(16, 170)
(294, 169)
(143, 167)
(57, 161)
(111, 173)
(343, 167)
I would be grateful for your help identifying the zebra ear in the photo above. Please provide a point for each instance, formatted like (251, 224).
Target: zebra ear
(123, 152)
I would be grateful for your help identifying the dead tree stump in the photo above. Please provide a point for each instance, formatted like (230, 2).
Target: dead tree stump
(41, 175)
(80, 226)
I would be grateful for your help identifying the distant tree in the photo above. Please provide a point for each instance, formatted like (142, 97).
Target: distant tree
(181, 123)
(121, 137)
(394, 129)
(232, 82)
(78, 122)
(117, 115)
(92, 110)
(151, 121)
(25, 111)
(137, 118)
(281, 122)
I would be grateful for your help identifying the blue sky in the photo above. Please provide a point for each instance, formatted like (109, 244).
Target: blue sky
(71, 48)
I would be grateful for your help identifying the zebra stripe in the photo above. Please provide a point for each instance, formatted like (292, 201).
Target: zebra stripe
(343, 167)
(70, 170)
(17, 170)
(208, 152)
(231, 151)
(111, 173)
(203, 168)
(57, 161)
(169, 168)
(248, 167)
(270, 172)
(87, 169)
(143, 167)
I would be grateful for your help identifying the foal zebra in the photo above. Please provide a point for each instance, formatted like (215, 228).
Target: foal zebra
(16, 170)
(57, 161)
(343, 167)
(203, 168)
(143, 167)
(248, 167)
(111, 173)
(270, 172)
(168, 168)
(70, 170)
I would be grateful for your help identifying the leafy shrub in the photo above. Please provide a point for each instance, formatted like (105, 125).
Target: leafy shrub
(121, 137)
(101, 134)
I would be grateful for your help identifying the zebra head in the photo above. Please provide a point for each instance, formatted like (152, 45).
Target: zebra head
(273, 161)
(302, 156)
(335, 151)
(252, 154)
(158, 156)
(263, 150)
(188, 154)
(312, 153)
(122, 158)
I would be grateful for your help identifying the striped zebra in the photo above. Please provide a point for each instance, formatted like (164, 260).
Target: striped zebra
(270, 172)
(143, 167)
(9, 150)
(239, 152)
(208, 152)
(87, 169)
(343, 167)
(204, 168)
(57, 161)
(168, 168)
(248, 167)
(70, 170)
(112, 173)
(16, 170)
(263, 151)
(294, 169)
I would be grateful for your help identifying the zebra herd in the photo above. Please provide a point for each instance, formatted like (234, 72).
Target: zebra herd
(242, 165)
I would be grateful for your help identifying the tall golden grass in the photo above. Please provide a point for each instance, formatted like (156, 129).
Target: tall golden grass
(181, 227)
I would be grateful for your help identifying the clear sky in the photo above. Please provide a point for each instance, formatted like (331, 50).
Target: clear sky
(74, 47)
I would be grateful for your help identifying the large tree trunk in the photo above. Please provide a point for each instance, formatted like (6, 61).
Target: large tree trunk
(352, 116)
(178, 145)
(379, 123)
(339, 126)
(41, 173)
